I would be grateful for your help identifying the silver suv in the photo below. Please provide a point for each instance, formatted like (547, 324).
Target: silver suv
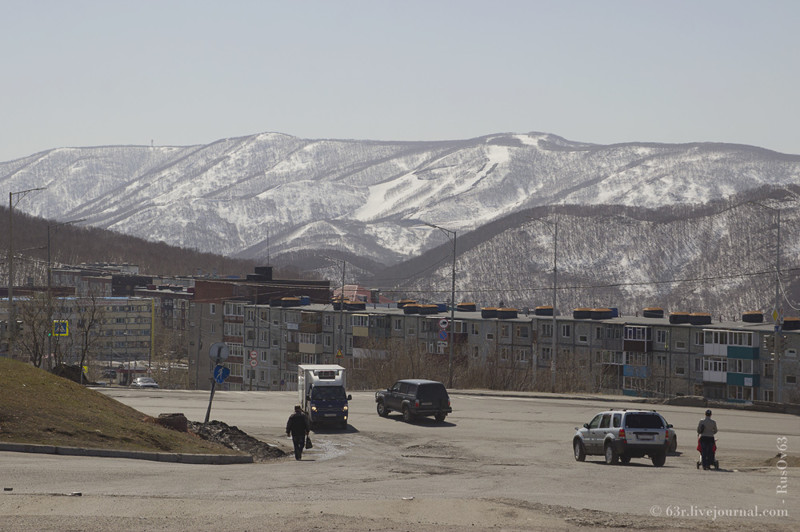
(620, 435)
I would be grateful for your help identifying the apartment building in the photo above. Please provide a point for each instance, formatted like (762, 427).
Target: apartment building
(596, 350)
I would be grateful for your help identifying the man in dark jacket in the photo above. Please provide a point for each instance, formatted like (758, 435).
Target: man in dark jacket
(298, 426)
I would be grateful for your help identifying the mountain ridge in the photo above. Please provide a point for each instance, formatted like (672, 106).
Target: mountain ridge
(284, 198)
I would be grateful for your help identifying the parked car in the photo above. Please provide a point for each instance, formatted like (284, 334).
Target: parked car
(413, 398)
(144, 382)
(619, 435)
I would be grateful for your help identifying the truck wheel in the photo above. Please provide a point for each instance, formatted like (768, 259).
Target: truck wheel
(611, 454)
(440, 416)
(382, 410)
(579, 450)
(659, 459)
(407, 417)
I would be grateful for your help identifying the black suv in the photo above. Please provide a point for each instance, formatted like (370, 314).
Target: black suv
(619, 435)
(414, 397)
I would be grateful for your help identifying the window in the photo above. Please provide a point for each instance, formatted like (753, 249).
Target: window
(546, 352)
(738, 365)
(521, 355)
(661, 360)
(475, 351)
(547, 330)
(769, 396)
(360, 320)
(503, 353)
(566, 330)
(680, 345)
(605, 422)
(661, 336)
(740, 393)
(698, 364)
(598, 333)
(791, 353)
(791, 379)
(328, 320)
(583, 339)
(490, 336)
(475, 328)
(522, 331)
(715, 364)
(212, 308)
(680, 370)
(768, 369)
(398, 324)
(505, 330)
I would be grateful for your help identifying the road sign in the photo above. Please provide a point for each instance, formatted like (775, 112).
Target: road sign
(339, 354)
(219, 351)
(253, 362)
(253, 354)
(60, 327)
(443, 323)
(442, 335)
(221, 373)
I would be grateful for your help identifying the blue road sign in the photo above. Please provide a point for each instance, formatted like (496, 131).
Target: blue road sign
(221, 373)
(60, 327)
(443, 335)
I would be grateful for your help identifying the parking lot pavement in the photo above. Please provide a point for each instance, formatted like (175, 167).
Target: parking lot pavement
(497, 461)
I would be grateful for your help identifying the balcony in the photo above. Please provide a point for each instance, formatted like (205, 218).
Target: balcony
(715, 376)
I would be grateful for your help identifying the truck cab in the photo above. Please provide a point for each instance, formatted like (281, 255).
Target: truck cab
(322, 394)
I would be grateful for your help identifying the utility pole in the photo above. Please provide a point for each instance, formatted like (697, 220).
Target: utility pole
(779, 313)
(12, 315)
(555, 284)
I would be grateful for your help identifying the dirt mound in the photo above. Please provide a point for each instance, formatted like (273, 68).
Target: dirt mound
(233, 438)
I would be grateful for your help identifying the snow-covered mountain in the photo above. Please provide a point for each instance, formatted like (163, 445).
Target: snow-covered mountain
(279, 198)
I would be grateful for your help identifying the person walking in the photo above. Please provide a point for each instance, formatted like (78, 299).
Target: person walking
(298, 427)
(706, 429)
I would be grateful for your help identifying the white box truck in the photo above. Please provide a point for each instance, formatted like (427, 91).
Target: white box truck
(322, 393)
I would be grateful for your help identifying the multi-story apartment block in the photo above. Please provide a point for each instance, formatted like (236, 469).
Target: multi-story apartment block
(596, 350)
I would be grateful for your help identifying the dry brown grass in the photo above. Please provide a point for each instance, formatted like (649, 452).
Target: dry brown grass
(38, 407)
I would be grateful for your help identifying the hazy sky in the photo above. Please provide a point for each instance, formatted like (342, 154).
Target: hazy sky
(101, 72)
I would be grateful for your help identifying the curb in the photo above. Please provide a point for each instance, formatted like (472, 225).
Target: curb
(182, 458)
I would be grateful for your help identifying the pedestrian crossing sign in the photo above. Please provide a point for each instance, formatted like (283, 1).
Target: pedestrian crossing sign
(60, 327)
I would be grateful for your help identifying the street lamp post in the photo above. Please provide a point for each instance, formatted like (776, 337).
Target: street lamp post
(554, 344)
(450, 232)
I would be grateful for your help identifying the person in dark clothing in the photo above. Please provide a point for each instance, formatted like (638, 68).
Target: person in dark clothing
(298, 427)
(706, 429)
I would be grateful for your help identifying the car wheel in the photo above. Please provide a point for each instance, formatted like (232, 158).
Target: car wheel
(407, 417)
(611, 454)
(625, 459)
(440, 417)
(579, 450)
(382, 410)
(659, 459)
(673, 443)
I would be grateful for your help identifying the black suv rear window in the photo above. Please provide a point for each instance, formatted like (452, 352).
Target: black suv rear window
(431, 392)
(644, 421)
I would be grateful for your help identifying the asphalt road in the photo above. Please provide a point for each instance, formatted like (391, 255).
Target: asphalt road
(498, 462)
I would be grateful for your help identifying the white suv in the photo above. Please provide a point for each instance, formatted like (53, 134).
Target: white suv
(620, 435)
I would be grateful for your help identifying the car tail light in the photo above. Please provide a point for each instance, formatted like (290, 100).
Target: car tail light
(416, 403)
(621, 434)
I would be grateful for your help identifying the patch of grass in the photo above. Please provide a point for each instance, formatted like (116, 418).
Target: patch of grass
(41, 408)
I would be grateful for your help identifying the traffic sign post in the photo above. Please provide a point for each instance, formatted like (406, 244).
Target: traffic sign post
(218, 353)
